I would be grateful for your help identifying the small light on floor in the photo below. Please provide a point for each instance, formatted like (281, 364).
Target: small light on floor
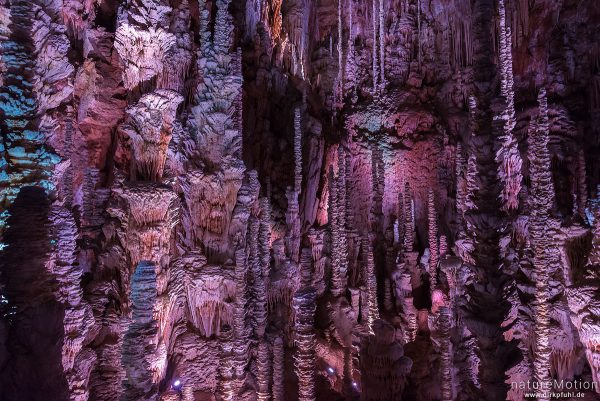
(330, 370)
(354, 384)
(177, 383)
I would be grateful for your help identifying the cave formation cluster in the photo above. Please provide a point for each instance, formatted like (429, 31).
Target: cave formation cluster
(269, 200)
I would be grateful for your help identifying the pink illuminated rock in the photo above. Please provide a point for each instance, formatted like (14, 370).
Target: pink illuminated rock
(298, 200)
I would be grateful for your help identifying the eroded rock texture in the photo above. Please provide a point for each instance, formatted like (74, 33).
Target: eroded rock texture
(254, 200)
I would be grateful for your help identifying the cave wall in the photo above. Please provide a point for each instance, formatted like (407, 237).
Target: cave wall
(298, 200)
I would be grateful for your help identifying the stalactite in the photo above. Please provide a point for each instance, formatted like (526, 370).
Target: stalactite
(542, 195)
(420, 47)
(351, 67)
(375, 29)
(382, 44)
(339, 85)
(149, 126)
(305, 358)
(254, 12)
(433, 239)
(508, 156)
(278, 370)
(142, 41)
(148, 212)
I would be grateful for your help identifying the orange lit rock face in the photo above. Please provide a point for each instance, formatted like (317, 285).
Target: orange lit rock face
(298, 200)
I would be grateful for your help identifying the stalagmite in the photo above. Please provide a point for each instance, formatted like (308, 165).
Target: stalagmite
(304, 359)
(541, 230)
(409, 219)
(78, 319)
(139, 344)
(263, 367)
(459, 172)
(582, 191)
(508, 156)
(264, 238)
(337, 213)
(542, 194)
(297, 151)
(444, 323)
(443, 246)
(260, 268)
(371, 284)
(292, 215)
(241, 339)
(404, 292)
(378, 185)
(433, 239)
(278, 370)
(383, 364)
(349, 385)
(225, 386)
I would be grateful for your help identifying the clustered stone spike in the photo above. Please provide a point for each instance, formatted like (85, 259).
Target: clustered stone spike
(269, 200)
